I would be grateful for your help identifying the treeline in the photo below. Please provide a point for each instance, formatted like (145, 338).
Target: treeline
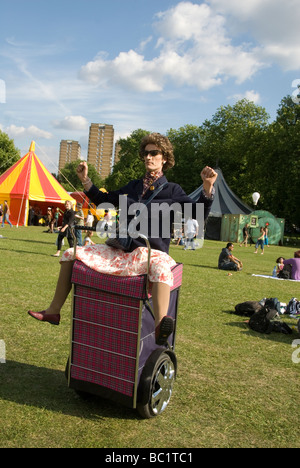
(253, 154)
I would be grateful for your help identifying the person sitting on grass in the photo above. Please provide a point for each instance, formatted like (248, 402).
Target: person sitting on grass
(227, 261)
(295, 265)
(280, 265)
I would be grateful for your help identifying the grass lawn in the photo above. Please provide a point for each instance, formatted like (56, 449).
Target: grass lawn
(235, 387)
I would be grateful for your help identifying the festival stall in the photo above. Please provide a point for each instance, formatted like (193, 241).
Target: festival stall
(29, 184)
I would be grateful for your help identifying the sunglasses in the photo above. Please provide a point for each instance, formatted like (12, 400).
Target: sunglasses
(152, 153)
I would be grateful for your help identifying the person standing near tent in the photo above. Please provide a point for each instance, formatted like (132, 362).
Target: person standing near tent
(245, 235)
(106, 223)
(57, 214)
(49, 218)
(66, 229)
(6, 214)
(192, 228)
(89, 219)
(266, 240)
(260, 241)
(30, 216)
(79, 221)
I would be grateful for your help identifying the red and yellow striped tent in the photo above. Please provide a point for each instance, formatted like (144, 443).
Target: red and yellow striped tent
(27, 183)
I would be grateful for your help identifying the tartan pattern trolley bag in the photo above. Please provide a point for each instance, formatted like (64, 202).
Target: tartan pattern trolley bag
(113, 352)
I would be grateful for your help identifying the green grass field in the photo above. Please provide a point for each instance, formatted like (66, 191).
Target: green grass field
(235, 387)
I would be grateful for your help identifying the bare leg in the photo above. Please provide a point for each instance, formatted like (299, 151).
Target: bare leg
(63, 288)
(164, 325)
(161, 299)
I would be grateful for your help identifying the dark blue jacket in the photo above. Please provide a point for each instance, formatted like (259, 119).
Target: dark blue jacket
(170, 194)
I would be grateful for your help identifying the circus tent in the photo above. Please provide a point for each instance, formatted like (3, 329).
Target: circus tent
(225, 202)
(28, 182)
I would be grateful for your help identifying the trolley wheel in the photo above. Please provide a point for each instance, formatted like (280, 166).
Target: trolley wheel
(156, 383)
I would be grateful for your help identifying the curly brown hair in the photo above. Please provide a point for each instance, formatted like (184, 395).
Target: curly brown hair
(163, 143)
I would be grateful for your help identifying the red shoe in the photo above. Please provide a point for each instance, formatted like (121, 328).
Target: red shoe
(164, 330)
(54, 319)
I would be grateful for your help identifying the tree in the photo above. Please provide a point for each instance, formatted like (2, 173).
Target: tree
(282, 162)
(129, 167)
(253, 154)
(236, 139)
(189, 157)
(9, 154)
(69, 180)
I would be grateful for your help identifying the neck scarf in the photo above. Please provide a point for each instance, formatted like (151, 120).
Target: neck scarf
(149, 180)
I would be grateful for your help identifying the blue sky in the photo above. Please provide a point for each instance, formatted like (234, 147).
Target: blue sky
(151, 64)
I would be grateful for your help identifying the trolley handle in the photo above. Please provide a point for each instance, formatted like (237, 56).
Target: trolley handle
(145, 238)
(85, 228)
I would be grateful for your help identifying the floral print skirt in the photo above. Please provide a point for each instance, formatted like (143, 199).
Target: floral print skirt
(105, 259)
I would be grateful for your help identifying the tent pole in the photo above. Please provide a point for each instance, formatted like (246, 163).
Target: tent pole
(25, 185)
(26, 213)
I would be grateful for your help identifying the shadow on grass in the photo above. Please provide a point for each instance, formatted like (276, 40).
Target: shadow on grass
(273, 336)
(27, 252)
(47, 389)
(4, 247)
(201, 266)
(32, 241)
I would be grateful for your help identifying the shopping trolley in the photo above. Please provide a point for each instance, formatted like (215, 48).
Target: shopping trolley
(113, 353)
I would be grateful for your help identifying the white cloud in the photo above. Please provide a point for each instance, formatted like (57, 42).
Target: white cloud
(203, 45)
(32, 132)
(193, 49)
(129, 70)
(250, 95)
(144, 43)
(72, 122)
(274, 24)
(2, 92)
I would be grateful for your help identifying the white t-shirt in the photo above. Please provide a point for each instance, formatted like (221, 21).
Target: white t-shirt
(192, 226)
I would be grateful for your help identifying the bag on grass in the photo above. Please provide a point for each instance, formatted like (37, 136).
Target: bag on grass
(248, 308)
(293, 307)
(286, 272)
(263, 322)
(281, 327)
(272, 303)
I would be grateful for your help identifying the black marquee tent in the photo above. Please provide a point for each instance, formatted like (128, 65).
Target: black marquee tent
(225, 202)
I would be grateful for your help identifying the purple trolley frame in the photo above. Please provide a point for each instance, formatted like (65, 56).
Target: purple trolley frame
(112, 332)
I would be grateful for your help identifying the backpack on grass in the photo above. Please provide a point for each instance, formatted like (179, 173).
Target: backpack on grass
(248, 308)
(263, 322)
(286, 272)
(293, 307)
